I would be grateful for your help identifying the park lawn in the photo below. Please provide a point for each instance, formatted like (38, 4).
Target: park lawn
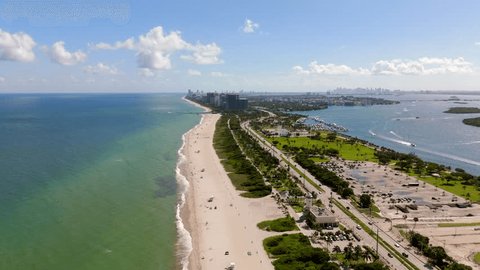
(319, 159)
(355, 152)
(459, 224)
(279, 225)
(476, 258)
(454, 187)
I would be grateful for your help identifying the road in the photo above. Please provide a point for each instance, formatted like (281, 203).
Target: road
(327, 194)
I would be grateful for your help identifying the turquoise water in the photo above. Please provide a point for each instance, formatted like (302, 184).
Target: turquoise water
(418, 119)
(88, 181)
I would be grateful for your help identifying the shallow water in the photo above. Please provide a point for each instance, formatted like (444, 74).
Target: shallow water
(88, 181)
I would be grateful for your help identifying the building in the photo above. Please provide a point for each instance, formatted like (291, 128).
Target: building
(228, 102)
(317, 216)
(233, 102)
(322, 218)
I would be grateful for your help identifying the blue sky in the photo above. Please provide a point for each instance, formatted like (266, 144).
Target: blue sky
(143, 46)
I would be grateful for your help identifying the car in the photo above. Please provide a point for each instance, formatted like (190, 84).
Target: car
(390, 255)
(404, 254)
(397, 245)
(370, 223)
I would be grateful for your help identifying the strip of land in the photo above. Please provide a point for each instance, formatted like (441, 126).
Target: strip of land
(220, 221)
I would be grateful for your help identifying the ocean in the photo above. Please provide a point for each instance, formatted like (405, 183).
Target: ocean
(418, 119)
(88, 181)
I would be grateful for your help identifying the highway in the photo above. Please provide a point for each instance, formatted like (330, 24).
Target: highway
(389, 256)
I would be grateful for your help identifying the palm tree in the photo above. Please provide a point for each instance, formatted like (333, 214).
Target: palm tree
(415, 219)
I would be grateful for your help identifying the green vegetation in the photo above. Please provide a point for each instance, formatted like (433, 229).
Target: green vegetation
(455, 185)
(279, 225)
(476, 258)
(294, 252)
(324, 175)
(457, 182)
(365, 201)
(320, 159)
(459, 224)
(355, 257)
(435, 254)
(463, 110)
(242, 173)
(472, 121)
(322, 146)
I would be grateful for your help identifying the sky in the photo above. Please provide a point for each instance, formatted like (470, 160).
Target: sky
(167, 46)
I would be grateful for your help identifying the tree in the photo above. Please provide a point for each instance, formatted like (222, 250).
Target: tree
(419, 241)
(415, 219)
(348, 251)
(370, 266)
(358, 251)
(437, 255)
(329, 266)
(458, 266)
(365, 201)
(331, 136)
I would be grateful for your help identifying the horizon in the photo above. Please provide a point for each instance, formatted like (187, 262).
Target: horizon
(123, 47)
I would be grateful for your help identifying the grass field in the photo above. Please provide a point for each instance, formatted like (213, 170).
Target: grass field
(319, 159)
(348, 151)
(279, 225)
(459, 224)
(469, 192)
(476, 258)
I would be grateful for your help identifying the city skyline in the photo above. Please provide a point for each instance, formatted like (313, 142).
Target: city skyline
(102, 46)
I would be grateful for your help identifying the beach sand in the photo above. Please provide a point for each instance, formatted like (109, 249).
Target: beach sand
(228, 222)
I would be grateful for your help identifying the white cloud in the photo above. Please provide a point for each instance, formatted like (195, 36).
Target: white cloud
(421, 66)
(101, 68)
(477, 43)
(204, 54)
(193, 72)
(2, 79)
(249, 26)
(127, 44)
(155, 48)
(145, 72)
(329, 69)
(16, 47)
(217, 74)
(60, 55)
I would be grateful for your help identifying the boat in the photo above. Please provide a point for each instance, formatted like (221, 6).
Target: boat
(412, 145)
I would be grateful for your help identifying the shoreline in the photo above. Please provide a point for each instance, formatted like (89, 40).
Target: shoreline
(221, 223)
(184, 245)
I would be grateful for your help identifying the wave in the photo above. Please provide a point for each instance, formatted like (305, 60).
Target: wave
(445, 155)
(474, 142)
(453, 157)
(184, 239)
(395, 140)
(371, 132)
(395, 134)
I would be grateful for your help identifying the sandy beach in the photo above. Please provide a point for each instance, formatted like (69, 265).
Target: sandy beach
(219, 220)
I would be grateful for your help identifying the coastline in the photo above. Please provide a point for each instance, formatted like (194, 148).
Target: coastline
(185, 252)
(224, 229)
